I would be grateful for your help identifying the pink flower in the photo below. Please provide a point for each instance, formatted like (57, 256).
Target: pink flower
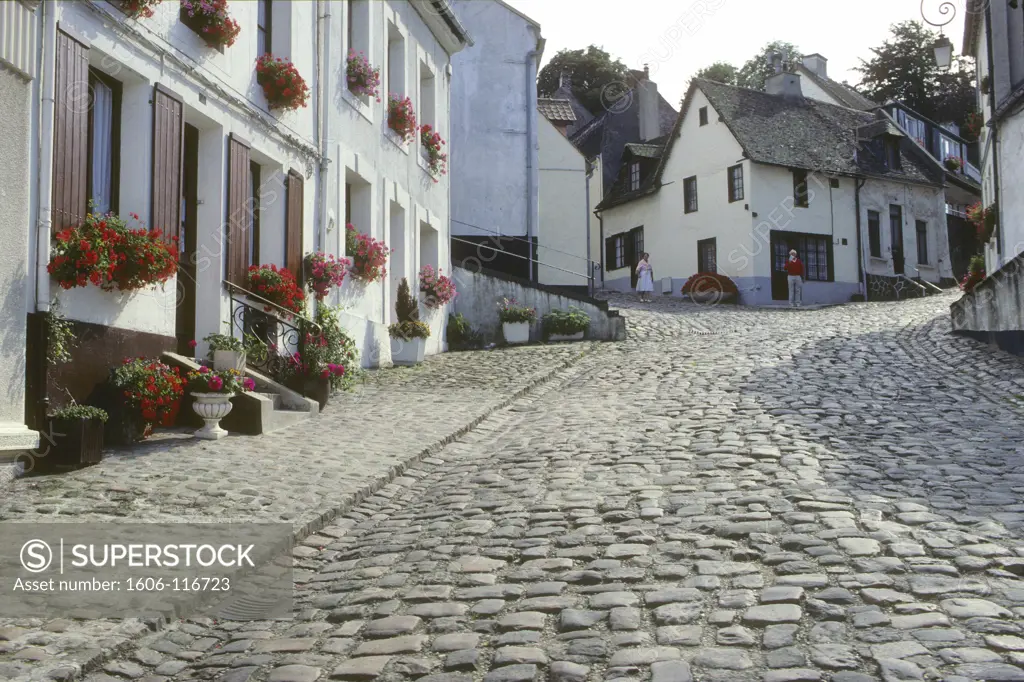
(192, 343)
(215, 383)
(248, 384)
(204, 370)
(325, 373)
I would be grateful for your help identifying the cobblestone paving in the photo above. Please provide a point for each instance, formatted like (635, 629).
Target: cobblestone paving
(730, 494)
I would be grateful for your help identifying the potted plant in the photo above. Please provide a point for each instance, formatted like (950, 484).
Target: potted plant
(975, 274)
(213, 391)
(952, 163)
(324, 272)
(77, 432)
(211, 20)
(147, 392)
(276, 285)
(282, 85)
(368, 255)
(437, 289)
(461, 335)
(984, 220)
(327, 360)
(710, 287)
(402, 117)
(226, 352)
(409, 335)
(565, 325)
(363, 79)
(137, 9)
(432, 142)
(515, 320)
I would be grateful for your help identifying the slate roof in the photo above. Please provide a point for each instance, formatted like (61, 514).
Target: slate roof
(841, 92)
(793, 133)
(559, 110)
(648, 150)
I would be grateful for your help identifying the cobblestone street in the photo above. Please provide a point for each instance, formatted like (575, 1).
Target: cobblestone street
(730, 494)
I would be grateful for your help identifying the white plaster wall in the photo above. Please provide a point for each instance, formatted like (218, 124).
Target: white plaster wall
(811, 90)
(491, 103)
(383, 173)
(596, 194)
(919, 203)
(562, 237)
(1011, 196)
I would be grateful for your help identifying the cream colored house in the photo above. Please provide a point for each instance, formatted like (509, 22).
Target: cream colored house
(747, 175)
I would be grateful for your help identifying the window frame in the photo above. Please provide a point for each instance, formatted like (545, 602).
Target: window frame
(620, 250)
(634, 176)
(701, 260)
(266, 32)
(116, 88)
(801, 197)
(921, 235)
(702, 115)
(690, 204)
(823, 247)
(736, 192)
(892, 154)
(875, 234)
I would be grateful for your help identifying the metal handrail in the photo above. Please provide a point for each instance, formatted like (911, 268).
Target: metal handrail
(288, 314)
(926, 282)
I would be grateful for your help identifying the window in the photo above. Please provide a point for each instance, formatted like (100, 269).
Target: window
(896, 227)
(428, 97)
(814, 250)
(690, 194)
(634, 176)
(922, 242)
(736, 183)
(637, 235)
(357, 26)
(833, 183)
(892, 154)
(615, 251)
(703, 116)
(800, 194)
(104, 141)
(875, 234)
(707, 255)
(396, 61)
(263, 27)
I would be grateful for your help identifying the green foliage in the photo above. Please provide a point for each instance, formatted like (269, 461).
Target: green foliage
(758, 68)
(224, 342)
(590, 71)
(904, 68)
(720, 72)
(406, 307)
(61, 337)
(333, 347)
(461, 334)
(77, 411)
(565, 322)
(977, 264)
(409, 330)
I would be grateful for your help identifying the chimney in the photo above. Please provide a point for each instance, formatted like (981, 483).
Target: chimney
(777, 62)
(647, 72)
(784, 83)
(816, 64)
(650, 120)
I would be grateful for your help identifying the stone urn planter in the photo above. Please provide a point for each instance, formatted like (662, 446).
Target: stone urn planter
(516, 332)
(578, 336)
(409, 352)
(212, 407)
(229, 359)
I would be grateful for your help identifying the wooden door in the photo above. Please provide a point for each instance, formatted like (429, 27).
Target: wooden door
(779, 255)
(185, 313)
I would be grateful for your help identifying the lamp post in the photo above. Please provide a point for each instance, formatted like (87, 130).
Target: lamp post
(943, 48)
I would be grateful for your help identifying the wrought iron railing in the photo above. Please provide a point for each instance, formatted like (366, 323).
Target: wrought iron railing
(272, 334)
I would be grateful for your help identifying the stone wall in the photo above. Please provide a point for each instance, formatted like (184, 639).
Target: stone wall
(480, 291)
(994, 311)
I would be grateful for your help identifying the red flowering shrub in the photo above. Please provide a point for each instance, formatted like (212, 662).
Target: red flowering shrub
(210, 19)
(984, 220)
(102, 250)
(151, 387)
(277, 285)
(401, 117)
(139, 8)
(975, 274)
(362, 78)
(369, 256)
(432, 143)
(281, 82)
(709, 282)
(324, 272)
(975, 123)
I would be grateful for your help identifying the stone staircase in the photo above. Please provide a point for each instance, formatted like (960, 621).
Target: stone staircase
(269, 408)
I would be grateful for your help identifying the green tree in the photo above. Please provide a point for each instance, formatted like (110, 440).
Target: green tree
(720, 72)
(758, 68)
(597, 79)
(903, 68)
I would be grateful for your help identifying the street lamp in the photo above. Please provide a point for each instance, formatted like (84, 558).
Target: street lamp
(942, 47)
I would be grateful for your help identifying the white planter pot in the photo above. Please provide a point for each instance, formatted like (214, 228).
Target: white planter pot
(228, 359)
(212, 407)
(408, 352)
(578, 336)
(516, 332)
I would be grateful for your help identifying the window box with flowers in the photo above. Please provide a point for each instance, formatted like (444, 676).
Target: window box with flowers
(211, 20)
(324, 272)
(145, 392)
(278, 286)
(437, 289)
(369, 256)
(282, 85)
(139, 9)
(953, 163)
(984, 220)
(515, 320)
(363, 78)
(437, 160)
(975, 274)
(402, 119)
(104, 252)
(213, 391)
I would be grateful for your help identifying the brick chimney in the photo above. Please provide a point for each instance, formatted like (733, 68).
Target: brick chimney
(816, 64)
(650, 120)
(784, 82)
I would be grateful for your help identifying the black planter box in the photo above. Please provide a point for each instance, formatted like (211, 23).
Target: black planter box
(314, 388)
(125, 427)
(75, 442)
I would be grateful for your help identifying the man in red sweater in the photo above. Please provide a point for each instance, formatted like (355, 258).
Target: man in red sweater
(795, 270)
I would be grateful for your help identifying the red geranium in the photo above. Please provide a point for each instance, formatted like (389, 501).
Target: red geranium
(401, 117)
(151, 387)
(277, 285)
(139, 8)
(369, 256)
(281, 82)
(210, 19)
(432, 143)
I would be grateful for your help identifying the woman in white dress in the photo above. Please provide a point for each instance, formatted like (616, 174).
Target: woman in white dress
(645, 279)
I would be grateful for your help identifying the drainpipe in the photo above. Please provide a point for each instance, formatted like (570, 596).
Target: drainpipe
(323, 53)
(531, 189)
(995, 139)
(590, 266)
(600, 247)
(44, 180)
(860, 249)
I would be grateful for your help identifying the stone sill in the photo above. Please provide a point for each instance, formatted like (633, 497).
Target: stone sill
(393, 137)
(359, 105)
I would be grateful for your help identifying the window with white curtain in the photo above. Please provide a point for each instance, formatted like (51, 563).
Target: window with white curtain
(101, 149)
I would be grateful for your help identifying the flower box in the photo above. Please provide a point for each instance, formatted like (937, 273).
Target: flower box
(402, 117)
(408, 352)
(282, 85)
(363, 79)
(76, 441)
(210, 19)
(516, 332)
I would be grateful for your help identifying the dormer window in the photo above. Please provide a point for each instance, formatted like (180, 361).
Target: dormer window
(892, 153)
(634, 177)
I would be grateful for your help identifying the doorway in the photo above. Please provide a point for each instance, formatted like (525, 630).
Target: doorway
(634, 252)
(896, 238)
(780, 254)
(185, 312)
(399, 258)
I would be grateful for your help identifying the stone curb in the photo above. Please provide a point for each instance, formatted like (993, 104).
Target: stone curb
(351, 501)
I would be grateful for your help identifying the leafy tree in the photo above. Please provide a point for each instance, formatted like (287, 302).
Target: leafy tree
(590, 70)
(903, 68)
(720, 72)
(758, 68)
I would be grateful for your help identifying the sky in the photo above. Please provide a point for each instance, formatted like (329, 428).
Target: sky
(679, 37)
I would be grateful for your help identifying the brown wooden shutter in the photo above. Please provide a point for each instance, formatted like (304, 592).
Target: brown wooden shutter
(168, 146)
(70, 133)
(237, 224)
(293, 226)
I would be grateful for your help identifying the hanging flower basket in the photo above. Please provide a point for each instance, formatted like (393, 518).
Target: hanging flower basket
(984, 220)
(103, 251)
(438, 289)
(432, 143)
(277, 285)
(139, 9)
(211, 20)
(953, 163)
(402, 117)
(363, 79)
(974, 125)
(282, 85)
(324, 272)
(369, 256)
